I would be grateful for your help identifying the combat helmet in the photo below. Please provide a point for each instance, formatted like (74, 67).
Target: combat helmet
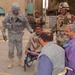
(36, 12)
(15, 6)
(64, 5)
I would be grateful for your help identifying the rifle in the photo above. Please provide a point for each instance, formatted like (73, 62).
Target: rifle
(54, 29)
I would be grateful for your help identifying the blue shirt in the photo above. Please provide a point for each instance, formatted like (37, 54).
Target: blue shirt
(70, 55)
(45, 66)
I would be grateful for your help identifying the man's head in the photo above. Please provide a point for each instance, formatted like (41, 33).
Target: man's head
(45, 37)
(38, 29)
(70, 31)
(37, 13)
(63, 7)
(15, 8)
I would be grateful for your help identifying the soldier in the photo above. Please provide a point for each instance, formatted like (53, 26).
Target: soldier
(37, 19)
(63, 19)
(15, 22)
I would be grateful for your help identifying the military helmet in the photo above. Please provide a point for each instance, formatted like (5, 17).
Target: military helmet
(64, 5)
(36, 12)
(60, 5)
(15, 6)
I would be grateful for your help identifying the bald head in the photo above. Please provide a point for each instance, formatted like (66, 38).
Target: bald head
(46, 36)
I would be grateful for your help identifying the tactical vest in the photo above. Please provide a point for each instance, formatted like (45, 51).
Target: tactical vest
(15, 23)
(62, 21)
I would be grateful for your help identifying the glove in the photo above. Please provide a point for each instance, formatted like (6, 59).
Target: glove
(5, 38)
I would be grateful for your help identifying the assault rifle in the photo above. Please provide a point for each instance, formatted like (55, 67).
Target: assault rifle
(54, 29)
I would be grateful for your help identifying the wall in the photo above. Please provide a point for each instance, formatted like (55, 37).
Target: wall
(6, 5)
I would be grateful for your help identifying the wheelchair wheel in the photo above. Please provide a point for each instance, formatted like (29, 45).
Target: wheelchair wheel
(24, 67)
(30, 62)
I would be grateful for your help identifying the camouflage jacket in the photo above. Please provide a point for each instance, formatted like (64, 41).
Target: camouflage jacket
(16, 23)
(34, 21)
(62, 21)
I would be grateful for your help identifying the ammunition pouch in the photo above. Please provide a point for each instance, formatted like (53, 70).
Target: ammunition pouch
(9, 26)
(18, 27)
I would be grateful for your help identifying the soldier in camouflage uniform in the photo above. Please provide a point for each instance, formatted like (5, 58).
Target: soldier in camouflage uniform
(62, 20)
(15, 22)
(37, 19)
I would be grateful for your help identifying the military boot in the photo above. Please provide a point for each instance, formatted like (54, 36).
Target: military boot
(10, 65)
(20, 63)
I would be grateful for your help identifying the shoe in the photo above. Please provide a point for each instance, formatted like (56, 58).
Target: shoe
(10, 65)
(20, 62)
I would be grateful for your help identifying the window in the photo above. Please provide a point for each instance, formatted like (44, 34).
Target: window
(2, 12)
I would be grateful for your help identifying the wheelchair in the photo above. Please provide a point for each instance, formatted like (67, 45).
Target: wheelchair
(30, 57)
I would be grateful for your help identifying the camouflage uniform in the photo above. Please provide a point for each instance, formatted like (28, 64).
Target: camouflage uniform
(62, 21)
(36, 20)
(15, 25)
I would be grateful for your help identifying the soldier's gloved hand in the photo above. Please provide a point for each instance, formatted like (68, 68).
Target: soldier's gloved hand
(5, 38)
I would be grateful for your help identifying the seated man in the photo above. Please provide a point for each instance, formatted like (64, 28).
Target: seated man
(33, 47)
(33, 43)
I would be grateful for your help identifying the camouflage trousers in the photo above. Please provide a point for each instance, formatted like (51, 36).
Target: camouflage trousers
(15, 40)
(61, 38)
